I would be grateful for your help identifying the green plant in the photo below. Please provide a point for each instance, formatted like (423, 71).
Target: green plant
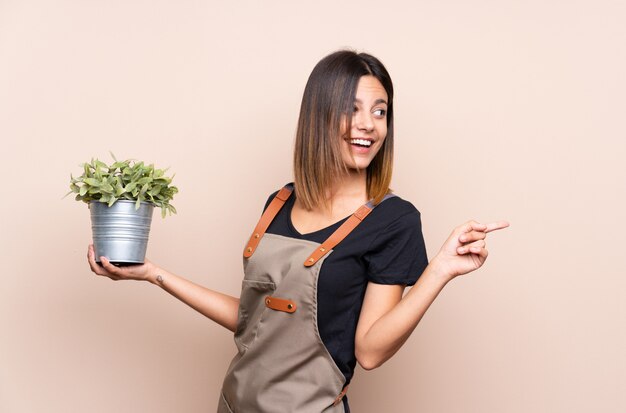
(127, 179)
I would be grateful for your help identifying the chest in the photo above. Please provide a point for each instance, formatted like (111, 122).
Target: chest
(306, 222)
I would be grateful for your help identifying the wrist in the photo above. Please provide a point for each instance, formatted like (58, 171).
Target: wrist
(440, 270)
(153, 274)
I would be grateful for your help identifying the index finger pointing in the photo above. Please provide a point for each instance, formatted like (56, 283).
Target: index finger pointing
(494, 226)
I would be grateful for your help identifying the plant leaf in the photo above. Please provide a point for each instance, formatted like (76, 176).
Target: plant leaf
(144, 180)
(155, 191)
(106, 187)
(130, 179)
(92, 182)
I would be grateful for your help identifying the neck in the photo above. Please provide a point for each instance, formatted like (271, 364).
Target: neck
(350, 188)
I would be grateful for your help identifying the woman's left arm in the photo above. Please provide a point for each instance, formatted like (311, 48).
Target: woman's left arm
(387, 318)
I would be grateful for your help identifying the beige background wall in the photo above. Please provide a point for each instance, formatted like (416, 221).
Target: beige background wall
(505, 110)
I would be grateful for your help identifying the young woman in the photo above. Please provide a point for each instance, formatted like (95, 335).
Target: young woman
(327, 265)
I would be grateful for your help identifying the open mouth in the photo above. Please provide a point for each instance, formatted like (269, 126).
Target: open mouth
(363, 143)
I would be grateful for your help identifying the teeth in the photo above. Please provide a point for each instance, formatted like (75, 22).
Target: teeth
(361, 142)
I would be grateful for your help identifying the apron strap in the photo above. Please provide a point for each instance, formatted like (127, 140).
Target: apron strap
(266, 219)
(346, 228)
(341, 395)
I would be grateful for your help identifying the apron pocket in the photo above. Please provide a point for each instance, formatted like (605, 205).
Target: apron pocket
(251, 306)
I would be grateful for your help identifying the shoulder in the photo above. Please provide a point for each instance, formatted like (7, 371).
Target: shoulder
(396, 211)
(269, 199)
(397, 252)
(392, 223)
(395, 226)
(273, 194)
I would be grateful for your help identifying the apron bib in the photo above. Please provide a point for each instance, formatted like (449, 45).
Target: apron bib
(282, 364)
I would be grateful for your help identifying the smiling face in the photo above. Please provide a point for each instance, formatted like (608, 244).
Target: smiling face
(345, 126)
(368, 127)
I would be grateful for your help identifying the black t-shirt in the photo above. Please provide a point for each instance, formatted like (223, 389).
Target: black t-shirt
(386, 248)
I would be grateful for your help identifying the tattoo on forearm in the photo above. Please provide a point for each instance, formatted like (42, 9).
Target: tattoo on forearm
(160, 279)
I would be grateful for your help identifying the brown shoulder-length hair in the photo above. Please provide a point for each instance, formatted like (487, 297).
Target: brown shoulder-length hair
(327, 102)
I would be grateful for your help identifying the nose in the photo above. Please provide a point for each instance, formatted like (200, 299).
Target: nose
(363, 121)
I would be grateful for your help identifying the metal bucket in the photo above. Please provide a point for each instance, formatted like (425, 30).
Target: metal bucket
(120, 232)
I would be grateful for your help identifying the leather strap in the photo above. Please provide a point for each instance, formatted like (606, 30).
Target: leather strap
(266, 219)
(280, 304)
(343, 393)
(338, 236)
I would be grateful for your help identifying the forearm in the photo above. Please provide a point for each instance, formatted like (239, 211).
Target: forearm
(219, 307)
(390, 320)
(385, 336)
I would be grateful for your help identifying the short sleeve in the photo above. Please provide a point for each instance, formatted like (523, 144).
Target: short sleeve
(398, 254)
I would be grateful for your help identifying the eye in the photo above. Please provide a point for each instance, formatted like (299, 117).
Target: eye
(380, 112)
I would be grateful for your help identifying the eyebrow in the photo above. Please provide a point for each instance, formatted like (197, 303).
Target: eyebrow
(376, 102)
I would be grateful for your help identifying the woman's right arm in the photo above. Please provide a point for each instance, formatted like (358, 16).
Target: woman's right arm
(219, 307)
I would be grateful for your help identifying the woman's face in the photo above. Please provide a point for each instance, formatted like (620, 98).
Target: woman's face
(369, 124)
